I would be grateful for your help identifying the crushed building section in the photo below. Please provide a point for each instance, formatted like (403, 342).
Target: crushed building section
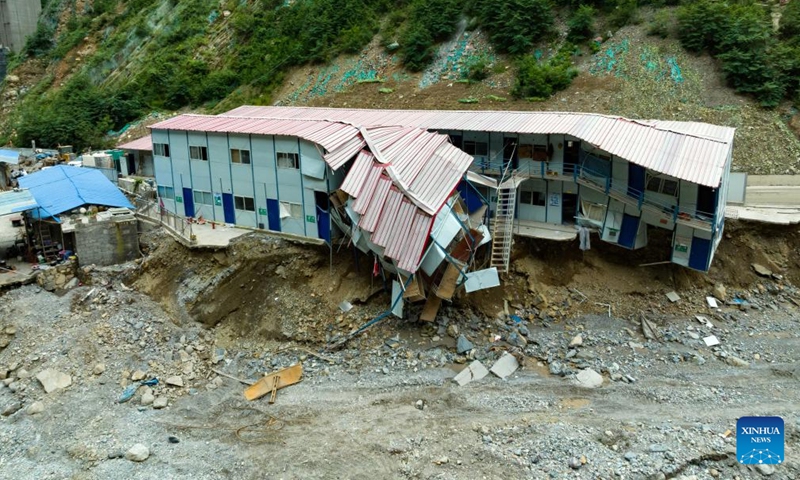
(424, 191)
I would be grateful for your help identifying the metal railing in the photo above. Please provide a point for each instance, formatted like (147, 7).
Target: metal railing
(153, 210)
(604, 182)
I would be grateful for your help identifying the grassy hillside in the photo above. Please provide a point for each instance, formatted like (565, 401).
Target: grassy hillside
(93, 66)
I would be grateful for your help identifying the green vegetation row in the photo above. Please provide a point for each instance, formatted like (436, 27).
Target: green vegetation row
(756, 59)
(171, 54)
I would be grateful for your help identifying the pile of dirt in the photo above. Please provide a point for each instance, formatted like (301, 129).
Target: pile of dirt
(259, 287)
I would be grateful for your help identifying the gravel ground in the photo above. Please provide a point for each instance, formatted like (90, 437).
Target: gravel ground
(386, 405)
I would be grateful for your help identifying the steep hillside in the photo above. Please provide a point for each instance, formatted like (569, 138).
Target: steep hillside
(95, 66)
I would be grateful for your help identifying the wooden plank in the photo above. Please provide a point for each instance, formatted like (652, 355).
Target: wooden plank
(286, 377)
(447, 287)
(414, 291)
(431, 308)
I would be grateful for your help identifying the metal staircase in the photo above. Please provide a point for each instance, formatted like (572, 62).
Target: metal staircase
(503, 226)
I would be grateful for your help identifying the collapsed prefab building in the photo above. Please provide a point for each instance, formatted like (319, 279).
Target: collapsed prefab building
(392, 190)
(418, 188)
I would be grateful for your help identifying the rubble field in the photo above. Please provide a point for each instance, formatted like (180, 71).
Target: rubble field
(614, 380)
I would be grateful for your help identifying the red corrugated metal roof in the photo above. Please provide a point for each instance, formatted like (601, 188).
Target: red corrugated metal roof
(397, 187)
(145, 143)
(693, 151)
(340, 140)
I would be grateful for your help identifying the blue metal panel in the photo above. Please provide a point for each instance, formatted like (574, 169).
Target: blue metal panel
(628, 230)
(700, 253)
(323, 224)
(62, 188)
(274, 215)
(227, 207)
(636, 175)
(188, 202)
(470, 196)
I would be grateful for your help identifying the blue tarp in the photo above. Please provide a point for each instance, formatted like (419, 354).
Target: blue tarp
(9, 156)
(63, 188)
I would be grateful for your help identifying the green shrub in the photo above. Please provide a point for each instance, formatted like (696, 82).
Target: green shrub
(660, 24)
(416, 48)
(430, 21)
(703, 24)
(540, 80)
(514, 26)
(790, 22)
(40, 42)
(581, 24)
(478, 70)
(625, 12)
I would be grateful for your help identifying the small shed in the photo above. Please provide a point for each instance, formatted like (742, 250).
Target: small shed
(59, 192)
(138, 157)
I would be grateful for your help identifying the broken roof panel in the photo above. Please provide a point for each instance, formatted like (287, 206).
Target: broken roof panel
(14, 201)
(10, 157)
(702, 157)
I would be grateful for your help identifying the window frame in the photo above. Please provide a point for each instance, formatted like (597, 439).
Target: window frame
(200, 150)
(293, 156)
(470, 147)
(238, 156)
(663, 182)
(242, 201)
(202, 197)
(161, 149)
(168, 192)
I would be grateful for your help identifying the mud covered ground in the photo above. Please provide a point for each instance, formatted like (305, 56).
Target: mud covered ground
(385, 406)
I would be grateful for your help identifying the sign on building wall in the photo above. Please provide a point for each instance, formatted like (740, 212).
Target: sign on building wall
(311, 218)
(555, 199)
(218, 199)
(178, 199)
(262, 211)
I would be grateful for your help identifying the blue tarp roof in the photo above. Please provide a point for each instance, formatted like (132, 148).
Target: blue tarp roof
(63, 188)
(9, 156)
(14, 201)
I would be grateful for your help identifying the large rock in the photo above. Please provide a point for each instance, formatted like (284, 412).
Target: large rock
(577, 341)
(463, 345)
(720, 291)
(53, 380)
(175, 381)
(762, 270)
(589, 378)
(35, 407)
(138, 453)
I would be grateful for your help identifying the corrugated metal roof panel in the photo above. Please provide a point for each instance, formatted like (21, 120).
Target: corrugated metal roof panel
(62, 188)
(13, 201)
(399, 239)
(417, 240)
(391, 208)
(365, 196)
(357, 175)
(376, 205)
(604, 131)
(145, 144)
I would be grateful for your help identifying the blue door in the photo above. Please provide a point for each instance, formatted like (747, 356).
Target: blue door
(227, 208)
(698, 257)
(628, 230)
(274, 215)
(188, 202)
(635, 180)
(324, 224)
